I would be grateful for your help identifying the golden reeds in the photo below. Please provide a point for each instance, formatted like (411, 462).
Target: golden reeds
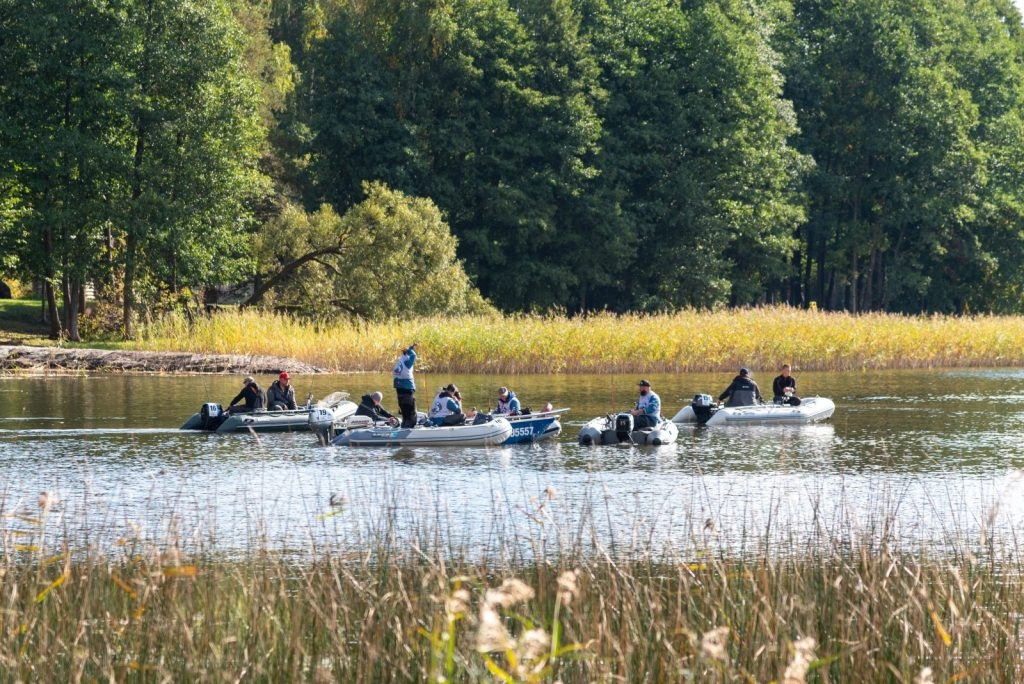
(687, 341)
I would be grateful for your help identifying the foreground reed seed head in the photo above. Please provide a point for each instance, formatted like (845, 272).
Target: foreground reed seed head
(532, 647)
(47, 500)
(713, 644)
(491, 635)
(511, 592)
(924, 677)
(803, 656)
(568, 587)
(457, 604)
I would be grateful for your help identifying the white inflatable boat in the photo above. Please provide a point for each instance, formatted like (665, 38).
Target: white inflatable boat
(703, 411)
(619, 429)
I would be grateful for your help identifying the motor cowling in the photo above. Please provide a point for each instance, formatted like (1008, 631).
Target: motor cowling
(703, 407)
(210, 416)
(623, 426)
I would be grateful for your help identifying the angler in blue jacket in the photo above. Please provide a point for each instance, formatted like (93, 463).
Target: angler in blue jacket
(405, 386)
(508, 402)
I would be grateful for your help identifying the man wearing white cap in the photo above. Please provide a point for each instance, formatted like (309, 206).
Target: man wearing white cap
(370, 406)
(251, 393)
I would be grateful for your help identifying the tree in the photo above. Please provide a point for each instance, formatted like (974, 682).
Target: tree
(695, 148)
(484, 107)
(898, 169)
(389, 255)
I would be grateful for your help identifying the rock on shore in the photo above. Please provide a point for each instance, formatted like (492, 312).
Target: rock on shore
(15, 358)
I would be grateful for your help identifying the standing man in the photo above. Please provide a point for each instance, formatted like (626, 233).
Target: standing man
(648, 407)
(405, 386)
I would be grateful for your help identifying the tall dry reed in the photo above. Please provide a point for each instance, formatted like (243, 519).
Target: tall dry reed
(603, 343)
(843, 609)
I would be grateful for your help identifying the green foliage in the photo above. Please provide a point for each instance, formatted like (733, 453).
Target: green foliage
(390, 255)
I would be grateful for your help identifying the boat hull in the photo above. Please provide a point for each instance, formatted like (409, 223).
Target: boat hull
(268, 421)
(491, 433)
(603, 430)
(810, 410)
(535, 427)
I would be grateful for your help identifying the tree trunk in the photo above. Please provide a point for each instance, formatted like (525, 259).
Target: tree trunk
(52, 310)
(70, 293)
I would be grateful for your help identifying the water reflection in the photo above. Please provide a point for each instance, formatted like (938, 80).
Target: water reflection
(928, 456)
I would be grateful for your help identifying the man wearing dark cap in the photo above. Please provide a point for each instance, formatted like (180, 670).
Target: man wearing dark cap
(281, 394)
(648, 407)
(743, 391)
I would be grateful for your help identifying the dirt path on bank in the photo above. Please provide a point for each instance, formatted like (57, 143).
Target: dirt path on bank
(15, 358)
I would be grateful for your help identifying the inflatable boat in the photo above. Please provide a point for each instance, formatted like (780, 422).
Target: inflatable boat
(534, 427)
(620, 429)
(212, 417)
(363, 431)
(703, 411)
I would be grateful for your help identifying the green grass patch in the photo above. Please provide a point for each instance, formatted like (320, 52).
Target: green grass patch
(21, 322)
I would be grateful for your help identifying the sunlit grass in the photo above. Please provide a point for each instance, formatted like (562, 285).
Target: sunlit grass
(849, 608)
(682, 342)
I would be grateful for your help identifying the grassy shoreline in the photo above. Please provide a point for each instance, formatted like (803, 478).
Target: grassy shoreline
(688, 341)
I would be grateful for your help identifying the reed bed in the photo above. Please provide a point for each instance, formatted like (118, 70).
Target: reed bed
(688, 341)
(847, 609)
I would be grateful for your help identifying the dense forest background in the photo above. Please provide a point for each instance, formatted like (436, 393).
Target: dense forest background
(386, 157)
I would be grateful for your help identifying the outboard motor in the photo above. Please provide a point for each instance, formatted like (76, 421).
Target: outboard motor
(623, 426)
(321, 423)
(211, 416)
(703, 407)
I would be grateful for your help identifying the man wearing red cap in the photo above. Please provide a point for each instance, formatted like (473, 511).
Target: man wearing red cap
(281, 394)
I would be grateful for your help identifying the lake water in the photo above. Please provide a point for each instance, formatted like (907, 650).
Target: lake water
(926, 458)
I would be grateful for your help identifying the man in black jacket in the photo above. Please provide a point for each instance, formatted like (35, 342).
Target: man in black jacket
(370, 406)
(742, 392)
(251, 393)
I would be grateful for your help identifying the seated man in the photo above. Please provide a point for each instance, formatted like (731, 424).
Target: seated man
(447, 408)
(251, 393)
(508, 402)
(743, 391)
(281, 394)
(370, 406)
(647, 412)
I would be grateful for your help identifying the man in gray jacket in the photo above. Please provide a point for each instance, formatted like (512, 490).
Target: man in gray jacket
(742, 392)
(281, 394)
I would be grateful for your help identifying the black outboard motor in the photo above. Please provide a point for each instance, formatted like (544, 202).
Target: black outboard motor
(623, 426)
(703, 407)
(211, 416)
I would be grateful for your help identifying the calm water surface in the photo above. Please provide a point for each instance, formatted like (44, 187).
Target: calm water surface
(932, 458)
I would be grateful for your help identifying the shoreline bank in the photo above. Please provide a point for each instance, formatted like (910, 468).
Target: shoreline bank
(22, 358)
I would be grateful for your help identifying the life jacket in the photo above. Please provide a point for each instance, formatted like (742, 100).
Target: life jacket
(439, 407)
(505, 405)
(650, 404)
(402, 372)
